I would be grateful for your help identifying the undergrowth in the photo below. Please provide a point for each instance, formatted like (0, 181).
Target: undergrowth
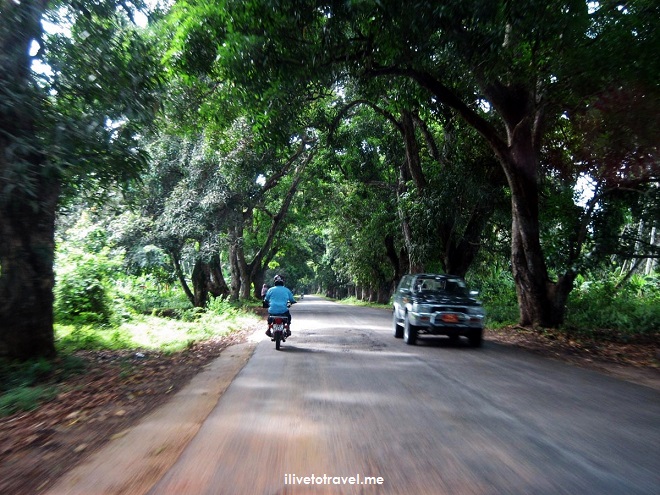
(23, 386)
(603, 310)
(596, 310)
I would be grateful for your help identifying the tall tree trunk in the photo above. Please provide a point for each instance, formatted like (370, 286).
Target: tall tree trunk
(413, 158)
(410, 169)
(414, 265)
(176, 262)
(241, 281)
(29, 191)
(201, 276)
(207, 279)
(541, 301)
(217, 285)
(234, 269)
(244, 273)
(385, 290)
(27, 249)
(397, 260)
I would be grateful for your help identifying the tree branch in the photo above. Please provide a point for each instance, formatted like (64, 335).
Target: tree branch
(342, 113)
(447, 97)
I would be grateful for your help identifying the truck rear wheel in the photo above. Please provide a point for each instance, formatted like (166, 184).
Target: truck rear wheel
(476, 338)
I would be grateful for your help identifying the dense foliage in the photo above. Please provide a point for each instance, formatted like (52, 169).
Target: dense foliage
(341, 144)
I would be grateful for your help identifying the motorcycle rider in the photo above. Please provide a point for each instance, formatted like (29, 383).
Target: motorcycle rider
(279, 298)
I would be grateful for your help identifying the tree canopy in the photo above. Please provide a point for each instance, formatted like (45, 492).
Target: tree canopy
(342, 143)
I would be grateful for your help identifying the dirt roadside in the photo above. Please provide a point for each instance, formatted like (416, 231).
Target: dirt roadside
(120, 389)
(635, 361)
(117, 390)
(157, 441)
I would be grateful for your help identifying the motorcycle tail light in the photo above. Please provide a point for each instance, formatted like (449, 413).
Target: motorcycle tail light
(278, 320)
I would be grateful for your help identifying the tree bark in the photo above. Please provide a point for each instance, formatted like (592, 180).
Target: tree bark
(244, 274)
(234, 270)
(207, 279)
(412, 151)
(542, 302)
(258, 281)
(176, 261)
(201, 276)
(413, 264)
(217, 285)
(396, 260)
(27, 278)
(29, 192)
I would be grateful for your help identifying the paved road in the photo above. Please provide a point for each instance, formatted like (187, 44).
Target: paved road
(344, 399)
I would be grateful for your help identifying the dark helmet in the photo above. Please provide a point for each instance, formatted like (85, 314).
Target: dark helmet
(278, 280)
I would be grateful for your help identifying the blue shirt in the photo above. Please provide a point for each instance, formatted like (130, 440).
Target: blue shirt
(277, 297)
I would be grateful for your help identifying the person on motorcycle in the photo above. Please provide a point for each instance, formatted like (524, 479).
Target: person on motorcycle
(279, 298)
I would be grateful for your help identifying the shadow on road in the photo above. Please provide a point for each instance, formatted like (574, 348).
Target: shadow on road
(293, 349)
(446, 343)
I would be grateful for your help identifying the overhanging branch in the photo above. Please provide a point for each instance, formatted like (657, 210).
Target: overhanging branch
(447, 97)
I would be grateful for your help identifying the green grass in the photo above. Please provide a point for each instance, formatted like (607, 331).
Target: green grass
(25, 399)
(24, 386)
(151, 332)
(155, 332)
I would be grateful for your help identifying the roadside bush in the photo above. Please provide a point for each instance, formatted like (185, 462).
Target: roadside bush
(24, 385)
(596, 308)
(498, 293)
(91, 338)
(14, 374)
(190, 314)
(87, 266)
(632, 309)
(82, 292)
(222, 307)
(145, 294)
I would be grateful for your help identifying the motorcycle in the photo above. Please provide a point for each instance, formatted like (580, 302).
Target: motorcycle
(279, 329)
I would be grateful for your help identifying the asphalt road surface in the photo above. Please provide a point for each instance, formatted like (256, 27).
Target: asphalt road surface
(344, 407)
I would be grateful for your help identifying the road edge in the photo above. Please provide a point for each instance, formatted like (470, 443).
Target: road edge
(135, 459)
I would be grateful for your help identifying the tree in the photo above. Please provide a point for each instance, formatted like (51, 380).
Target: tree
(284, 185)
(442, 199)
(200, 199)
(186, 203)
(509, 70)
(277, 148)
(58, 131)
(28, 206)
